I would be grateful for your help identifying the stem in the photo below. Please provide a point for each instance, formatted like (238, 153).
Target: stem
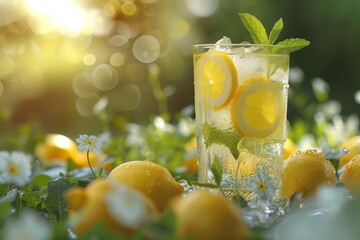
(159, 94)
(88, 159)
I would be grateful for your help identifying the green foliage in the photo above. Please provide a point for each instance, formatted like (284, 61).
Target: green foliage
(54, 201)
(228, 138)
(258, 33)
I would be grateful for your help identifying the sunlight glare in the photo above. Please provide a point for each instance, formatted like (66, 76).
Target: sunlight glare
(64, 15)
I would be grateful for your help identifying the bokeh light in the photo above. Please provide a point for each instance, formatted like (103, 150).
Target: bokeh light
(89, 59)
(202, 8)
(117, 59)
(146, 49)
(105, 77)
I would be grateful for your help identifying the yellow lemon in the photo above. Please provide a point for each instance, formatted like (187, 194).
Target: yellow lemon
(305, 172)
(215, 79)
(191, 165)
(258, 107)
(353, 145)
(206, 216)
(244, 166)
(350, 176)
(289, 148)
(56, 147)
(90, 206)
(150, 178)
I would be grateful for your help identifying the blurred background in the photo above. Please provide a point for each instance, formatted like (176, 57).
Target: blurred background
(67, 65)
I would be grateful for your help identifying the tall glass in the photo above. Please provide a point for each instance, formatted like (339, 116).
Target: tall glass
(241, 93)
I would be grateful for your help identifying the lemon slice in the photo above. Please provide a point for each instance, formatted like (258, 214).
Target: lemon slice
(216, 77)
(258, 107)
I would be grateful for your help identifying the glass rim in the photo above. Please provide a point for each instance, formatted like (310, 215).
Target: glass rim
(233, 47)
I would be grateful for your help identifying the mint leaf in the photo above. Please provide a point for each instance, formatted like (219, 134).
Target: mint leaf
(274, 34)
(293, 44)
(255, 28)
(229, 138)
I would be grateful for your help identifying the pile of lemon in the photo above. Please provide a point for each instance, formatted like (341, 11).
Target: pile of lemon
(199, 214)
(306, 171)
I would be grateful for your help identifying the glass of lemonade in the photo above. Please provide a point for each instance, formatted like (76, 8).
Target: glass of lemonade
(241, 93)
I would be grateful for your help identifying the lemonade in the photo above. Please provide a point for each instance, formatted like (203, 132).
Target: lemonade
(240, 102)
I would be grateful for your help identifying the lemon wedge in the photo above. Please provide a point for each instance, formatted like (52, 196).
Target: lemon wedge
(216, 79)
(258, 107)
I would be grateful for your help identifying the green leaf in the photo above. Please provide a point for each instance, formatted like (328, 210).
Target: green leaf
(293, 44)
(207, 185)
(41, 180)
(255, 28)
(31, 199)
(228, 138)
(10, 196)
(240, 201)
(54, 201)
(274, 34)
(216, 170)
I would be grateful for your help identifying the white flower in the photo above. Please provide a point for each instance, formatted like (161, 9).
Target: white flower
(262, 185)
(28, 226)
(89, 143)
(15, 168)
(126, 206)
(330, 153)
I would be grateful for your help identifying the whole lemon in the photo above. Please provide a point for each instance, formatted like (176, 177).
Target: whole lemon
(89, 206)
(353, 145)
(56, 147)
(305, 172)
(206, 216)
(289, 148)
(350, 176)
(152, 179)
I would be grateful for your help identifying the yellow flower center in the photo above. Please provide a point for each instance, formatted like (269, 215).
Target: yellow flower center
(13, 169)
(262, 186)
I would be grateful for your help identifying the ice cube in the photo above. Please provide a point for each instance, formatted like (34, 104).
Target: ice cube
(279, 76)
(249, 65)
(222, 45)
(220, 119)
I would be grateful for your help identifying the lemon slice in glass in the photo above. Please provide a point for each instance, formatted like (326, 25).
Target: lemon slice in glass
(216, 77)
(258, 107)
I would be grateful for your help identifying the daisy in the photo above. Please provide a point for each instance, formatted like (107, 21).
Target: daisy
(89, 143)
(15, 168)
(23, 227)
(262, 185)
(330, 153)
(126, 206)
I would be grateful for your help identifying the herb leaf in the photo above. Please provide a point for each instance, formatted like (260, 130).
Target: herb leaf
(255, 28)
(229, 138)
(277, 28)
(216, 170)
(294, 44)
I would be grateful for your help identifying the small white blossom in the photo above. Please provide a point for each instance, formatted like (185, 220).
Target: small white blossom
(126, 206)
(262, 185)
(15, 168)
(330, 153)
(89, 143)
(28, 225)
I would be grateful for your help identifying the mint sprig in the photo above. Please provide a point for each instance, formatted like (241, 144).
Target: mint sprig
(258, 34)
(228, 138)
